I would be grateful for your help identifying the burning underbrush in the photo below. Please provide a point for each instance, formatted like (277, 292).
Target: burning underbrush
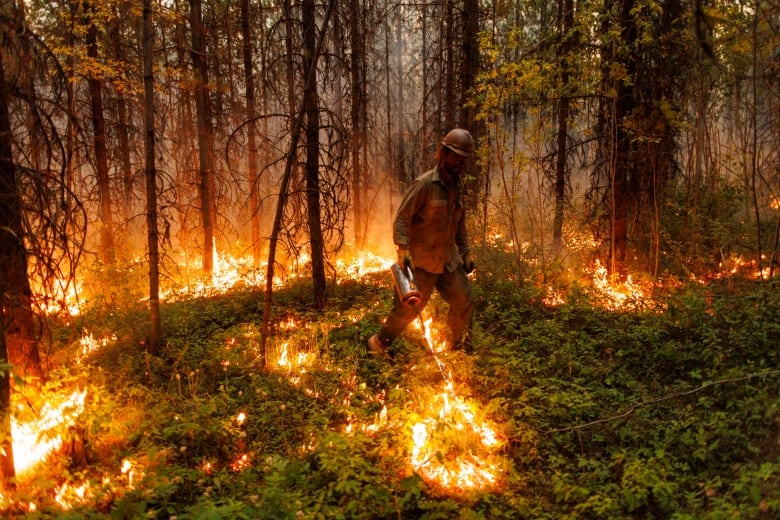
(312, 423)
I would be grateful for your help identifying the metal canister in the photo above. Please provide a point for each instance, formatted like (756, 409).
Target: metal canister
(405, 285)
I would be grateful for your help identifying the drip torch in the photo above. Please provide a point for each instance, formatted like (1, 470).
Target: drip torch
(403, 277)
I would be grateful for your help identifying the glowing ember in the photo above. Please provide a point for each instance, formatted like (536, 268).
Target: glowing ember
(553, 298)
(616, 295)
(452, 448)
(34, 441)
(241, 462)
(89, 344)
(361, 265)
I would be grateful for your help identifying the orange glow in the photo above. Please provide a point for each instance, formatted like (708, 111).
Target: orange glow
(451, 446)
(617, 295)
(35, 440)
(60, 298)
(241, 462)
(454, 449)
(553, 298)
(90, 344)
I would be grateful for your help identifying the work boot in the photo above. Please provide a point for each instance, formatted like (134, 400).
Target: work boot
(377, 348)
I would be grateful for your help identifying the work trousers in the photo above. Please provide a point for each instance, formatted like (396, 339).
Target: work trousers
(455, 289)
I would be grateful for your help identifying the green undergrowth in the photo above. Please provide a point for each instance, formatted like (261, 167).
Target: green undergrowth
(667, 410)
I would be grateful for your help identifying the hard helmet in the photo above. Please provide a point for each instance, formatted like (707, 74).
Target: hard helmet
(459, 141)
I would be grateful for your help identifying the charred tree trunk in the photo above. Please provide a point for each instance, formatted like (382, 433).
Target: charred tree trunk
(206, 185)
(311, 109)
(12, 255)
(151, 183)
(358, 127)
(565, 24)
(122, 129)
(402, 173)
(251, 116)
(451, 109)
(297, 124)
(107, 252)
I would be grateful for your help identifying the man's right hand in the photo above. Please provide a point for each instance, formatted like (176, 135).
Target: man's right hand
(405, 258)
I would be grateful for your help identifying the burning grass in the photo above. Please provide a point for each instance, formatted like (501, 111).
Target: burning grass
(318, 426)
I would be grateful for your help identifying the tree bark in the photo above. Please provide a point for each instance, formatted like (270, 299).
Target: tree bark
(151, 183)
(107, 253)
(251, 116)
(206, 186)
(358, 128)
(13, 277)
(565, 23)
(311, 109)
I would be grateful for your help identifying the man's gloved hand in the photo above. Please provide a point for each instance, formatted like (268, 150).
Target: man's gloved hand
(405, 258)
(468, 264)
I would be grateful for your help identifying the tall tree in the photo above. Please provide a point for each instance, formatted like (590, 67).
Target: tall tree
(565, 25)
(95, 82)
(14, 285)
(253, 176)
(291, 158)
(357, 110)
(311, 107)
(205, 130)
(637, 130)
(123, 117)
(152, 231)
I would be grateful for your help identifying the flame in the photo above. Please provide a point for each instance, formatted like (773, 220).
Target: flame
(242, 462)
(34, 441)
(553, 298)
(450, 446)
(89, 344)
(616, 295)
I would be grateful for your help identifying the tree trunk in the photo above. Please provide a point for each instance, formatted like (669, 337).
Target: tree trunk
(297, 123)
(251, 116)
(311, 109)
(565, 23)
(122, 130)
(151, 183)
(107, 252)
(358, 129)
(14, 259)
(206, 186)
(451, 109)
(402, 174)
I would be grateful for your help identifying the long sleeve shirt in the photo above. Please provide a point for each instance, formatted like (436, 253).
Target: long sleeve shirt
(430, 223)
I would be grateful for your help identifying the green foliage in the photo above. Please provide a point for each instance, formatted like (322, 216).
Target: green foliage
(655, 412)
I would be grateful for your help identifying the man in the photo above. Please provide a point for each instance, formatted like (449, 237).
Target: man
(430, 234)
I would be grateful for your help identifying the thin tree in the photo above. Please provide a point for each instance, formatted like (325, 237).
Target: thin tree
(565, 24)
(357, 113)
(14, 286)
(206, 185)
(95, 84)
(251, 116)
(290, 161)
(151, 182)
(311, 107)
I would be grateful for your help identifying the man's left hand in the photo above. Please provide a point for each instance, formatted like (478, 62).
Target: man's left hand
(468, 264)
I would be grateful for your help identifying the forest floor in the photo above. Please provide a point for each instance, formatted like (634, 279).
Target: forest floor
(661, 404)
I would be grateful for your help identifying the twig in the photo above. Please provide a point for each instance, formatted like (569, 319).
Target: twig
(635, 407)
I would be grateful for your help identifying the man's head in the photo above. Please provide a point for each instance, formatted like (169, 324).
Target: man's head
(459, 141)
(456, 147)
